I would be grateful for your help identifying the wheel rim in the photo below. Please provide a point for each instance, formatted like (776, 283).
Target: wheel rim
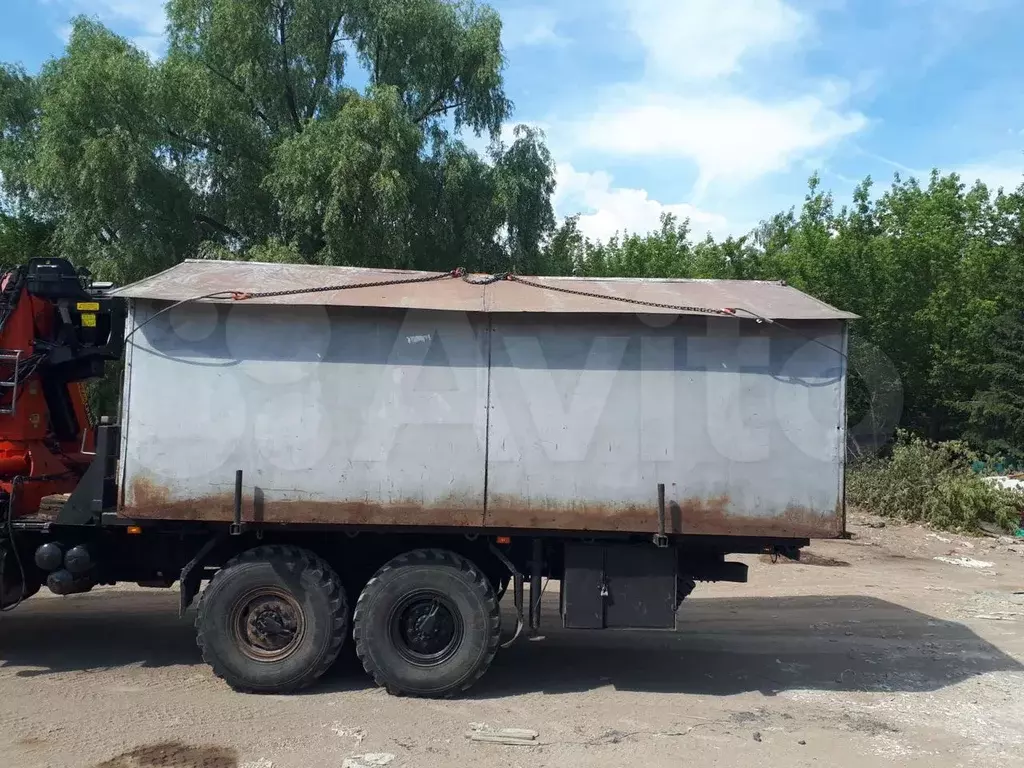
(268, 624)
(426, 628)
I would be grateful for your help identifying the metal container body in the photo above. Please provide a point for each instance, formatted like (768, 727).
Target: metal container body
(743, 423)
(333, 415)
(385, 416)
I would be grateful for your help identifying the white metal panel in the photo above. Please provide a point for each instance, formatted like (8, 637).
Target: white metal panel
(334, 415)
(340, 415)
(744, 430)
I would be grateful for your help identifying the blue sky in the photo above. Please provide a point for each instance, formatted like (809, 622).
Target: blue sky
(717, 109)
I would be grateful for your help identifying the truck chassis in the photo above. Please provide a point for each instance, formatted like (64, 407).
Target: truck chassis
(419, 604)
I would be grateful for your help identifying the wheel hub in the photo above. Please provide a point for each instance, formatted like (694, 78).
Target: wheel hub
(426, 629)
(268, 624)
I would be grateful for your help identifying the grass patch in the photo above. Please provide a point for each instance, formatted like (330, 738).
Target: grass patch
(932, 483)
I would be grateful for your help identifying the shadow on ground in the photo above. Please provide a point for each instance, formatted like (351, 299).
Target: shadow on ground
(722, 647)
(95, 631)
(766, 644)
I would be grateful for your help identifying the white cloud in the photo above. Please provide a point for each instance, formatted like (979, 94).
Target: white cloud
(606, 209)
(703, 39)
(531, 25)
(697, 103)
(728, 137)
(1005, 171)
(141, 21)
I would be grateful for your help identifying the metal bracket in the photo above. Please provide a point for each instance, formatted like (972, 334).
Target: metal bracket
(660, 539)
(236, 524)
(95, 497)
(517, 591)
(190, 581)
(536, 566)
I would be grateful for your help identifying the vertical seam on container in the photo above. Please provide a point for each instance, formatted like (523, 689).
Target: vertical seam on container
(487, 415)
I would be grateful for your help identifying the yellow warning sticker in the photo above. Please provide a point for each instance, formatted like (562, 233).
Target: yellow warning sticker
(88, 306)
(88, 320)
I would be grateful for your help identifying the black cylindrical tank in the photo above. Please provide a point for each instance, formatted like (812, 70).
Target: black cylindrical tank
(78, 560)
(49, 556)
(64, 582)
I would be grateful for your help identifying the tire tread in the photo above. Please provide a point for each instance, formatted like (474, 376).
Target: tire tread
(479, 582)
(297, 560)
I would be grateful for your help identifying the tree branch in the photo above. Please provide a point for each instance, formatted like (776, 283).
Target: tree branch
(208, 146)
(289, 94)
(219, 226)
(321, 76)
(252, 102)
(437, 106)
(107, 234)
(378, 49)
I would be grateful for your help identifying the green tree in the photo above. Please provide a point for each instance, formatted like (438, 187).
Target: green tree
(564, 252)
(932, 269)
(22, 238)
(323, 131)
(996, 413)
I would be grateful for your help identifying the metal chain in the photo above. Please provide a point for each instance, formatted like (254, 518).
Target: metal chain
(488, 280)
(658, 305)
(455, 273)
(244, 295)
(496, 277)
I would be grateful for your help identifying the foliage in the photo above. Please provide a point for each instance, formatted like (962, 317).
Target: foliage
(935, 271)
(932, 483)
(22, 238)
(319, 131)
(996, 414)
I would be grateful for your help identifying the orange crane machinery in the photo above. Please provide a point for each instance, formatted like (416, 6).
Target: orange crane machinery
(57, 329)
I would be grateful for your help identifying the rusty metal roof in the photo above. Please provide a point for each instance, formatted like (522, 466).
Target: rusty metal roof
(195, 278)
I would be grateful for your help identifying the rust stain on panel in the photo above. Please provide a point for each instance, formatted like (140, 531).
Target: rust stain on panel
(711, 516)
(794, 521)
(149, 500)
(147, 494)
(510, 511)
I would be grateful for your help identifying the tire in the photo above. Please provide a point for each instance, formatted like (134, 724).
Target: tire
(457, 646)
(15, 595)
(272, 620)
(12, 590)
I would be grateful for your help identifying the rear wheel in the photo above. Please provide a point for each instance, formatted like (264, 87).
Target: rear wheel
(272, 620)
(13, 589)
(13, 593)
(427, 624)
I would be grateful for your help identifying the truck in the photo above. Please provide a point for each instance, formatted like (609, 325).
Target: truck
(337, 455)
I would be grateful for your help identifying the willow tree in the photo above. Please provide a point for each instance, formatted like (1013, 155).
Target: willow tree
(320, 131)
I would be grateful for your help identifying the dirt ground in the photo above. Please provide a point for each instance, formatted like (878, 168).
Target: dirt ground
(870, 652)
